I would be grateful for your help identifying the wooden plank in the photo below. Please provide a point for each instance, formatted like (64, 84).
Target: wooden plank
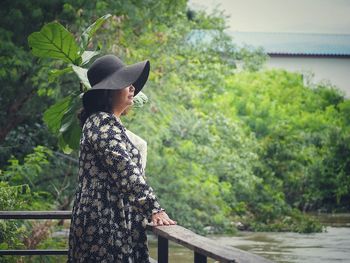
(30, 252)
(205, 246)
(33, 252)
(35, 214)
(163, 250)
(175, 233)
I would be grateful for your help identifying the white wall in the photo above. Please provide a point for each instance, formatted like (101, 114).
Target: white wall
(334, 70)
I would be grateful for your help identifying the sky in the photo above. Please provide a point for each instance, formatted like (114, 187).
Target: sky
(300, 16)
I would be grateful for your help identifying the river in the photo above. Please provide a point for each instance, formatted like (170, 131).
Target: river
(287, 247)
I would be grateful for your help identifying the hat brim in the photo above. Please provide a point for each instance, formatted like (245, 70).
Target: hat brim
(135, 74)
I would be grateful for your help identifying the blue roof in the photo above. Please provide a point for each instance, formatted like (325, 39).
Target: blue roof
(295, 43)
(290, 43)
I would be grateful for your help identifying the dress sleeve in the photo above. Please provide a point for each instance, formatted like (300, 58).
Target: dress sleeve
(106, 137)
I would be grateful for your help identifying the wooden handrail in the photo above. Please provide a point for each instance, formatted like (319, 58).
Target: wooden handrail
(203, 247)
(35, 214)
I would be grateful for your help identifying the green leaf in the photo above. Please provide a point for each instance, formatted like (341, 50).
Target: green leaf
(3, 245)
(82, 75)
(140, 99)
(90, 31)
(71, 136)
(55, 41)
(87, 56)
(70, 127)
(54, 114)
(62, 120)
(63, 145)
(53, 74)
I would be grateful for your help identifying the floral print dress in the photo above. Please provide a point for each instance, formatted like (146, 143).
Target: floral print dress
(113, 202)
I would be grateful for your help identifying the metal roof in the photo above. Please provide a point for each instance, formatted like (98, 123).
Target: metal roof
(296, 43)
(289, 43)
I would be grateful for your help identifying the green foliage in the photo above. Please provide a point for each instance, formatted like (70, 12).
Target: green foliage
(140, 99)
(54, 41)
(82, 73)
(258, 132)
(22, 178)
(53, 116)
(297, 128)
(256, 146)
(90, 31)
(294, 221)
(16, 193)
(22, 77)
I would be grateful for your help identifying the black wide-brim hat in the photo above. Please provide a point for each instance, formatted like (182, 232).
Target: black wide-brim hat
(110, 73)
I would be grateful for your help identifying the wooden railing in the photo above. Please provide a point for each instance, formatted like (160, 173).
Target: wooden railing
(201, 246)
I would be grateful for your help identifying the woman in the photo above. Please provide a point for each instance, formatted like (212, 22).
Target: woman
(113, 202)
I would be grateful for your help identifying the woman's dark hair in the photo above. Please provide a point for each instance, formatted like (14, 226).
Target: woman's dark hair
(95, 100)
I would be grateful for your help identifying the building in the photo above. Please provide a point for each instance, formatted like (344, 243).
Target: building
(323, 57)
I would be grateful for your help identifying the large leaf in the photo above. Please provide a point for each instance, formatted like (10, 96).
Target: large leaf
(53, 115)
(70, 127)
(82, 74)
(62, 120)
(54, 41)
(90, 31)
(87, 56)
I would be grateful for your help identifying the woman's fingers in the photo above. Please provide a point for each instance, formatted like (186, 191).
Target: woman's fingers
(160, 222)
(172, 222)
(166, 222)
(163, 219)
(155, 221)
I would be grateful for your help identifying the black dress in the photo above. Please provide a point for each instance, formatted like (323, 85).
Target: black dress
(112, 202)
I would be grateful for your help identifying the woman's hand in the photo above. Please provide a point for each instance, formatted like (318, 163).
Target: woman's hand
(161, 218)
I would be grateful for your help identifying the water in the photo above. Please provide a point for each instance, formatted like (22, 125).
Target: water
(330, 246)
(287, 247)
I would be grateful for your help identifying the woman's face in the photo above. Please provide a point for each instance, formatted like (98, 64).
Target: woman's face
(124, 98)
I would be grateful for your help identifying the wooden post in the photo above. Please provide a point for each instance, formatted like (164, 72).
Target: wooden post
(199, 258)
(163, 249)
